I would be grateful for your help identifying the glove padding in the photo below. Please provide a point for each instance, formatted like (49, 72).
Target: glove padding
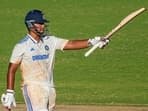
(102, 42)
(94, 41)
(8, 99)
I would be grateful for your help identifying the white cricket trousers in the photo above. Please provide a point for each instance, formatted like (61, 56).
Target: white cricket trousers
(39, 97)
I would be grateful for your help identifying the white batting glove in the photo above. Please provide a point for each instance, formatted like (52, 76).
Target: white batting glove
(103, 42)
(8, 99)
(94, 41)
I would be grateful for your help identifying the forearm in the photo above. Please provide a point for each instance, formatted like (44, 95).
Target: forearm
(76, 44)
(10, 81)
(11, 76)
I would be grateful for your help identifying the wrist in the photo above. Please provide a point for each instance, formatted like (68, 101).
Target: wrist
(89, 42)
(10, 91)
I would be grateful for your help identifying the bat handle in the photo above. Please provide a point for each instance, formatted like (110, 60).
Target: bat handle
(91, 50)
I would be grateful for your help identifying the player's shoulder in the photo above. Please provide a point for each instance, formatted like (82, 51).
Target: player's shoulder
(49, 37)
(23, 40)
(22, 43)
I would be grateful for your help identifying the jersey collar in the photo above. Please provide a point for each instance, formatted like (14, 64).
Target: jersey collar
(33, 38)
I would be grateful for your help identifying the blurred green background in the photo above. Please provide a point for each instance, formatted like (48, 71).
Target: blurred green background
(116, 75)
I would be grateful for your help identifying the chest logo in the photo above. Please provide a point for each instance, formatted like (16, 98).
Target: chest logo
(46, 47)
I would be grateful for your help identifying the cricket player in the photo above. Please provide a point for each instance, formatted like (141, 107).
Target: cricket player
(35, 55)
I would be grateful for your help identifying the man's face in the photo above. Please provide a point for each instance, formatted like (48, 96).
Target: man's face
(40, 28)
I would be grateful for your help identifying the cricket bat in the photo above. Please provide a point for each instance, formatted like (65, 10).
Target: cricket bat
(122, 23)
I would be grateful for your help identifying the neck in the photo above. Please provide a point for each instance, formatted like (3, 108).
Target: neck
(35, 36)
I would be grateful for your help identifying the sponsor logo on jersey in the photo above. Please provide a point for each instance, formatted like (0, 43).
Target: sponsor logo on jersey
(40, 57)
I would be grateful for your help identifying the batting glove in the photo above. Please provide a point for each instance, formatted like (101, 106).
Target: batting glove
(94, 41)
(103, 42)
(8, 99)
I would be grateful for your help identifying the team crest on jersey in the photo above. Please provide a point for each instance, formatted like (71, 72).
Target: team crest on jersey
(46, 47)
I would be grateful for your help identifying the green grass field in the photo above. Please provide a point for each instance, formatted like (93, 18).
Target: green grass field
(115, 75)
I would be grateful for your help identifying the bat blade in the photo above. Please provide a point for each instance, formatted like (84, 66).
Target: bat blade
(123, 22)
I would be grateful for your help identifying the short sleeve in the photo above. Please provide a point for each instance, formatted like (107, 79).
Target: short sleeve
(60, 43)
(17, 54)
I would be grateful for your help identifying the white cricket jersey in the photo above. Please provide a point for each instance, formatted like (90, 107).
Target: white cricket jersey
(36, 59)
